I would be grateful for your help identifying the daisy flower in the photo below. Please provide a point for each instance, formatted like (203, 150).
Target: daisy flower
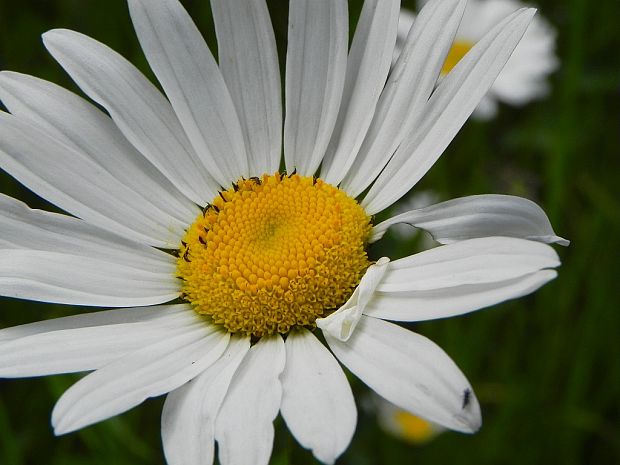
(230, 263)
(404, 425)
(524, 78)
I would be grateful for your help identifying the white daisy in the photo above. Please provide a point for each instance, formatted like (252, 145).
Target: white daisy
(402, 424)
(524, 78)
(262, 258)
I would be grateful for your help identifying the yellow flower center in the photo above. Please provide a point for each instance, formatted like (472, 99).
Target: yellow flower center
(274, 253)
(457, 52)
(412, 428)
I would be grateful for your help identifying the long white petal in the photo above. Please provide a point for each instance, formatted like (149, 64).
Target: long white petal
(474, 261)
(478, 216)
(77, 184)
(83, 127)
(244, 426)
(87, 348)
(448, 108)
(139, 110)
(24, 228)
(367, 69)
(410, 371)
(80, 280)
(442, 303)
(188, 417)
(316, 61)
(96, 318)
(317, 402)
(403, 101)
(152, 371)
(249, 62)
(187, 71)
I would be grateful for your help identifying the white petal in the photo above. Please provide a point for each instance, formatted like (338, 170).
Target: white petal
(23, 228)
(80, 280)
(76, 123)
(410, 371)
(403, 101)
(188, 417)
(139, 110)
(244, 426)
(448, 108)
(87, 348)
(249, 62)
(367, 69)
(343, 321)
(152, 371)
(89, 320)
(77, 184)
(317, 402)
(478, 216)
(192, 81)
(442, 303)
(474, 261)
(316, 61)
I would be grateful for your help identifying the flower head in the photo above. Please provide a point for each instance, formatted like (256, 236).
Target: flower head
(524, 77)
(225, 268)
(404, 425)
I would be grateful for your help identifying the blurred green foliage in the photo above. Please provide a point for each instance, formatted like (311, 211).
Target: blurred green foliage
(546, 368)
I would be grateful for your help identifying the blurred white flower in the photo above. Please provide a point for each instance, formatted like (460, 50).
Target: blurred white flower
(403, 424)
(524, 78)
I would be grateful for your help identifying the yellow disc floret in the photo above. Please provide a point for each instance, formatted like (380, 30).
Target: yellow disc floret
(274, 253)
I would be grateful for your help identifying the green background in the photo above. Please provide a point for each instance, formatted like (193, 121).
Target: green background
(546, 368)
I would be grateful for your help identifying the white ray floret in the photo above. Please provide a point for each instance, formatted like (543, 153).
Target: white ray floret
(317, 402)
(316, 62)
(139, 110)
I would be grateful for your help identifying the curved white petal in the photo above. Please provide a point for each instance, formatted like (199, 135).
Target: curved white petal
(451, 301)
(87, 348)
(244, 426)
(410, 371)
(478, 216)
(77, 123)
(152, 371)
(343, 321)
(139, 110)
(79, 280)
(403, 101)
(188, 417)
(77, 184)
(448, 108)
(367, 69)
(474, 261)
(249, 62)
(24, 228)
(316, 61)
(187, 71)
(317, 402)
(95, 318)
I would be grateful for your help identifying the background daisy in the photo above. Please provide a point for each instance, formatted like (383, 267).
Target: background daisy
(526, 75)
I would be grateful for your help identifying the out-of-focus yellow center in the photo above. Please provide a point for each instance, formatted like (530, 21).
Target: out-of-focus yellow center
(457, 52)
(274, 253)
(412, 428)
